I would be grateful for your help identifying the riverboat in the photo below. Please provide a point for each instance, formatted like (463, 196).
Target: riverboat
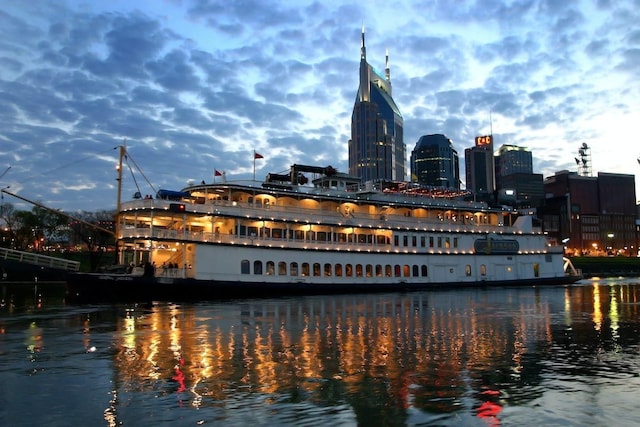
(283, 236)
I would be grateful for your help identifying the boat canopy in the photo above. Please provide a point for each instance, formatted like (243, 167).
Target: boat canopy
(171, 195)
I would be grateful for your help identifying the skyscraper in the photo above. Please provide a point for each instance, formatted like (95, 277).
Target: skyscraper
(479, 167)
(435, 162)
(376, 148)
(514, 175)
(513, 159)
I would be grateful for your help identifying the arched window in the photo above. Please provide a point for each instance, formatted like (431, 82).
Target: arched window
(483, 270)
(305, 268)
(358, 270)
(416, 271)
(257, 267)
(327, 269)
(369, 270)
(397, 271)
(467, 270)
(271, 268)
(339, 270)
(282, 268)
(348, 270)
(406, 271)
(378, 270)
(244, 266)
(293, 268)
(387, 270)
(316, 268)
(424, 271)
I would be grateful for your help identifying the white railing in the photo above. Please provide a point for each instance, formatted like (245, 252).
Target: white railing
(41, 260)
(315, 216)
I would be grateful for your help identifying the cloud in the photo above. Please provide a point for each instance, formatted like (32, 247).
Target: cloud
(197, 85)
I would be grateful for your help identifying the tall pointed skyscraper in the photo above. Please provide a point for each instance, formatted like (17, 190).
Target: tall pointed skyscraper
(376, 148)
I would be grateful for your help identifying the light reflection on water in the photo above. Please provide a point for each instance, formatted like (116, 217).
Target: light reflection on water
(484, 357)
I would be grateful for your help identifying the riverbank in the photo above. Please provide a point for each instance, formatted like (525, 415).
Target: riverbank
(607, 266)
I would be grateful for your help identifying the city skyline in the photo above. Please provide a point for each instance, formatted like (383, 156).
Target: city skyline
(195, 87)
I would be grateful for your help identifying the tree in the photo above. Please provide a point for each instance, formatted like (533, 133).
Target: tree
(9, 220)
(95, 239)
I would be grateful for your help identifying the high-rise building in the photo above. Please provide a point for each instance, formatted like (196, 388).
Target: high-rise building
(515, 177)
(435, 162)
(513, 159)
(376, 148)
(480, 169)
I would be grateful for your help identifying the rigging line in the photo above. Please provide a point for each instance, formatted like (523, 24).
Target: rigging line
(135, 181)
(141, 173)
(61, 167)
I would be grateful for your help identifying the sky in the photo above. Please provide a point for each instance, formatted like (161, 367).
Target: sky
(194, 86)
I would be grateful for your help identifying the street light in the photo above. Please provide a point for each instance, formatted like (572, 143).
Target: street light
(610, 247)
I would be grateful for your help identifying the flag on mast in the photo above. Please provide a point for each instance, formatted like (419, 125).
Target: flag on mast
(217, 173)
(256, 156)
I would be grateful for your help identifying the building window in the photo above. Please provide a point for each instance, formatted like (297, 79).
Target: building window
(483, 270)
(282, 268)
(339, 270)
(467, 270)
(316, 269)
(293, 268)
(271, 269)
(424, 271)
(305, 269)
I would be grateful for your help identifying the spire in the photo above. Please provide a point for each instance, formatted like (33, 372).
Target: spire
(387, 72)
(364, 91)
(363, 49)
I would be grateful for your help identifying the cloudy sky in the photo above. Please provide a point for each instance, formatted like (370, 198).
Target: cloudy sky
(197, 85)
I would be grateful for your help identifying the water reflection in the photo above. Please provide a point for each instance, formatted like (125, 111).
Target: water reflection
(486, 357)
(440, 357)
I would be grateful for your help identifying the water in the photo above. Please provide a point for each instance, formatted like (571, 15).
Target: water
(548, 356)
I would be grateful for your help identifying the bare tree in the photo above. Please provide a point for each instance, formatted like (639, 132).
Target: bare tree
(95, 238)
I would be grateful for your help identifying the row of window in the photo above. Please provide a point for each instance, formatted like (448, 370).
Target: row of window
(327, 236)
(339, 270)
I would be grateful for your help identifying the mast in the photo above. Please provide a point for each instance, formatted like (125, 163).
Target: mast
(122, 152)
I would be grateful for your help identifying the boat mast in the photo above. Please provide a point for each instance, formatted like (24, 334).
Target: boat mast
(123, 152)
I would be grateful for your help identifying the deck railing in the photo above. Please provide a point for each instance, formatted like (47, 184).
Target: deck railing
(318, 216)
(40, 260)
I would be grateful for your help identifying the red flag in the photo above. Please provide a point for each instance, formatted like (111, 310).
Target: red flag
(257, 155)
(217, 173)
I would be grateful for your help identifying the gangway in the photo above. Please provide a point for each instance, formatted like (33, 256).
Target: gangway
(40, 260)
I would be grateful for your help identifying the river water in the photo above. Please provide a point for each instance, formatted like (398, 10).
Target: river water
(545, 356)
